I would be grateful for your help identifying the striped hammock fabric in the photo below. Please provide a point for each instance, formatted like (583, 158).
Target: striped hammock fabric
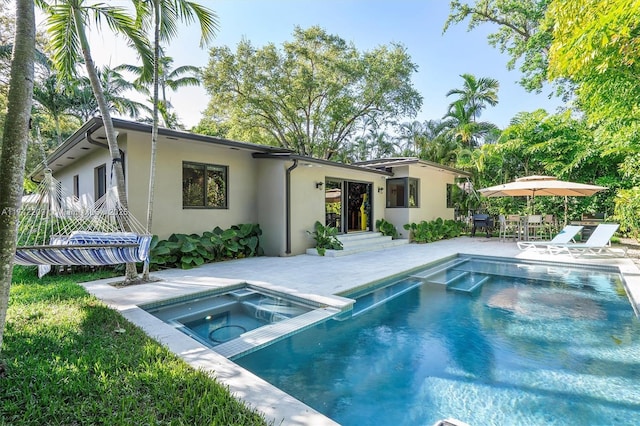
(86, 249)
(59, 229)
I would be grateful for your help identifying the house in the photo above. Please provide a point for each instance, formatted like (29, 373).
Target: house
(203, 182)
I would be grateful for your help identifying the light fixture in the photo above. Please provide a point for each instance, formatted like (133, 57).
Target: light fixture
(319, 185)
(380, 189)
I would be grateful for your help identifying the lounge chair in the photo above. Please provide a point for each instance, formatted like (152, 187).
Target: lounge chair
(565, 236)
(599, 244)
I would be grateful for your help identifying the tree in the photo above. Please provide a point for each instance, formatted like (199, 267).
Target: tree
(52, 99)
(14, 145)
(476, 93)
(311, 96)
(67, 24)
(462, 127)
(168, 79)
(164, 15)
(596, 44)
(522, 33)
(115, 87)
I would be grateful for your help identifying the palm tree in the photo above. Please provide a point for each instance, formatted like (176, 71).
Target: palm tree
(413, 135)
(53, 100)
(462, 126)
(67, 23)
(168, 78)
(14, 145)
(163, 16)
(476, 94)
(114, 86)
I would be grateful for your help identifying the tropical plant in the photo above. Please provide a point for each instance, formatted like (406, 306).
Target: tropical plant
(188, 251)
(438, 229)
(14, 146)
(462, 127)
(386, 228)
(115, 88)
(67, 23)
(477, 93)
(326, 238)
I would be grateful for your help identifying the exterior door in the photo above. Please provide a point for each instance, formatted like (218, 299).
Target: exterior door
(358, 206)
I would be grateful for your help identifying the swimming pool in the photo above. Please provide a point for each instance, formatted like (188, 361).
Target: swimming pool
(532, 344)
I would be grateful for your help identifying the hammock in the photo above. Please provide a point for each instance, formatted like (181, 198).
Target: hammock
(57, 229)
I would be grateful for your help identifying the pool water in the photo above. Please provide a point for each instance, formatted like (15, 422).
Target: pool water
(214, 318)
(534, 344)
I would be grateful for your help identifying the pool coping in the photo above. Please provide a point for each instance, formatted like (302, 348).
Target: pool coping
(307, 277)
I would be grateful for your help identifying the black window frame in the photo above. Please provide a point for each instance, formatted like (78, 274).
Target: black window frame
(76, 186)
(394, 185)
(100, 181)
(206, 168)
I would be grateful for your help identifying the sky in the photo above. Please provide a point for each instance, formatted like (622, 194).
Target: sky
(416, 24)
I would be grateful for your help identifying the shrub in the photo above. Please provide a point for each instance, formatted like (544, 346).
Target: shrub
(438, 229)
(326, 238)
(386, 228)
(187, 251)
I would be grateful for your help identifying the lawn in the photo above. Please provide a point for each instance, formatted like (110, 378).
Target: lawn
(70, 360)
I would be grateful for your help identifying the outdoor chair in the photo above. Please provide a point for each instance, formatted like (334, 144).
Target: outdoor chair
(508, 228)
(598, 244)
(565, 236)
(550, 224)
(533, 226)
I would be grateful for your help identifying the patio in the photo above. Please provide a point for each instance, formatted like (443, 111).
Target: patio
(302, 275)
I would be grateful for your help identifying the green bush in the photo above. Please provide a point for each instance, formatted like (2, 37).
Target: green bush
(326, 238)
(187, 251)
(438, 229)
(626, 212)
(386, 228)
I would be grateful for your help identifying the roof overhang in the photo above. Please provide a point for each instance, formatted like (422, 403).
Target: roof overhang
(91, 137)
(390, 163)
(304, 160)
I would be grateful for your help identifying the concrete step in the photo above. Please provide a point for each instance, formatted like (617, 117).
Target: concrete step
(360, 242)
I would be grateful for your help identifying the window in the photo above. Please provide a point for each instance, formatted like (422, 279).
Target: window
(402, 192)
(450, 203)
(100, 179)
(204, 185)
(76, 186)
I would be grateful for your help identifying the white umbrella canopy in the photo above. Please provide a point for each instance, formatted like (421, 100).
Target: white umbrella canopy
(533, 186)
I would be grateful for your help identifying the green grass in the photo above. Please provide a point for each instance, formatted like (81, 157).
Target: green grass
(70, 360)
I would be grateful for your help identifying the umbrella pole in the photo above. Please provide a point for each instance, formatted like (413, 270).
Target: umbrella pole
(565, 210)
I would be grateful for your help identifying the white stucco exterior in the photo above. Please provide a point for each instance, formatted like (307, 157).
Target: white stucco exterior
(260, 181)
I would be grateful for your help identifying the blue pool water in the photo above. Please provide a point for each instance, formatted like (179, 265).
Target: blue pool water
(532, 345)
(213, 318)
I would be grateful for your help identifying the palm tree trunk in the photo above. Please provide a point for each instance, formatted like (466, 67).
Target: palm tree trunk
(154, 128)
(116, 161)
(14, 146)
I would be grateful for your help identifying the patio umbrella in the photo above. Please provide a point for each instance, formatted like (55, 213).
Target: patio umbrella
(533, 186)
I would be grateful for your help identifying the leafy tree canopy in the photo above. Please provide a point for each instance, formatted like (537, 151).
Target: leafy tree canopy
(312, 95)
(520, 33)
(597, 45)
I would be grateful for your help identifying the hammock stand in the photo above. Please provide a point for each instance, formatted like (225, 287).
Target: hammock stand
(57, 229)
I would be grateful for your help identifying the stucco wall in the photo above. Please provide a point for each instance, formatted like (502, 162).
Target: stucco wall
(307, 201)
(432, 201)
(169, 216)
(271, 205)
(85, 169)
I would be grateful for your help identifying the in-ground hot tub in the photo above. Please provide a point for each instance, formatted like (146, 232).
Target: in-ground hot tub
(217, 317)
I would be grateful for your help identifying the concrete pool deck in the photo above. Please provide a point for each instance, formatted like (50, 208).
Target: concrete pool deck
(319, 278)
